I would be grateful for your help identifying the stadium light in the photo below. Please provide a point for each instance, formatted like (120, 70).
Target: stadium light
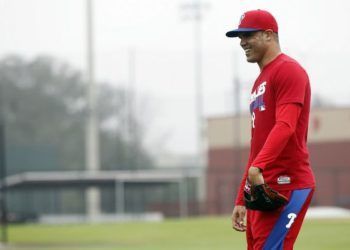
(194, 11)
(92, 140)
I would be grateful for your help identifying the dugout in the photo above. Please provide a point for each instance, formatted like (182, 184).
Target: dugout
(122, 192)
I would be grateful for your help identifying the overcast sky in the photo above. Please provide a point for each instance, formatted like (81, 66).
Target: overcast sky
(160, 33)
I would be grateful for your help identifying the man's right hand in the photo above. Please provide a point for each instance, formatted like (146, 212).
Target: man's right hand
(238, 218)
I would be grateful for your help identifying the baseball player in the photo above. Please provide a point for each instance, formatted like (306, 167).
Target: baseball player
(278, 182)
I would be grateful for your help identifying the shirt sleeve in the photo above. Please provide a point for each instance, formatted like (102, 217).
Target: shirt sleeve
(287, 116)
(290, 84)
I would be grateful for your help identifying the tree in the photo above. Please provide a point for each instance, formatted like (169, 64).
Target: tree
(44, 105)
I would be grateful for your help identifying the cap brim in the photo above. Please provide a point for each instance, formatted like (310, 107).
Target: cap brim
(236, 32)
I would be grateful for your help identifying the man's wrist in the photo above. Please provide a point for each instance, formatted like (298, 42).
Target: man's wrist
(255, 176)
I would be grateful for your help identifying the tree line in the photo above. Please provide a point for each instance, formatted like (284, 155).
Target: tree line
(43, 103)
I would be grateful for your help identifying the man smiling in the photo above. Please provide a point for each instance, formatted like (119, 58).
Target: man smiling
(278, 183)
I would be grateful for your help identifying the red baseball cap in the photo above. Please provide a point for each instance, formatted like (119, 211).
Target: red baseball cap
(255, 20)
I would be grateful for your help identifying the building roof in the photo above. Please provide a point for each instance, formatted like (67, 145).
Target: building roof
(86, 178)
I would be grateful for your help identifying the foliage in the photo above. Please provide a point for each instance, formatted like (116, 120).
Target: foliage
(44, 105)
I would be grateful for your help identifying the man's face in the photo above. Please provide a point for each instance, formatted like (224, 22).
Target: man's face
(254, 45)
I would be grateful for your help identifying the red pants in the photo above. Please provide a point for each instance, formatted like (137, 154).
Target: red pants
(278, 230)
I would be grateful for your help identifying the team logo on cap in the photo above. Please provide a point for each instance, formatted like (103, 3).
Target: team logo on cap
(241, 19)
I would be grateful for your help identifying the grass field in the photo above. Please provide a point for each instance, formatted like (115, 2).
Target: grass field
(212, 233)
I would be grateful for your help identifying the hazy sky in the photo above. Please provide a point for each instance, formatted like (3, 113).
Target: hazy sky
(161, 35)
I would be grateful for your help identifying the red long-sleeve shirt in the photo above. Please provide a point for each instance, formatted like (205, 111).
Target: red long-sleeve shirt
(280, 106)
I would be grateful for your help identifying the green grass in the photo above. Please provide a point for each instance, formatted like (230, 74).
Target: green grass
(213, 233)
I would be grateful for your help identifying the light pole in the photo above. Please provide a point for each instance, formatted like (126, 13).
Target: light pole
(3, 170)
(92, 154)
(132, 110)
(196, 8)
(236, 122)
